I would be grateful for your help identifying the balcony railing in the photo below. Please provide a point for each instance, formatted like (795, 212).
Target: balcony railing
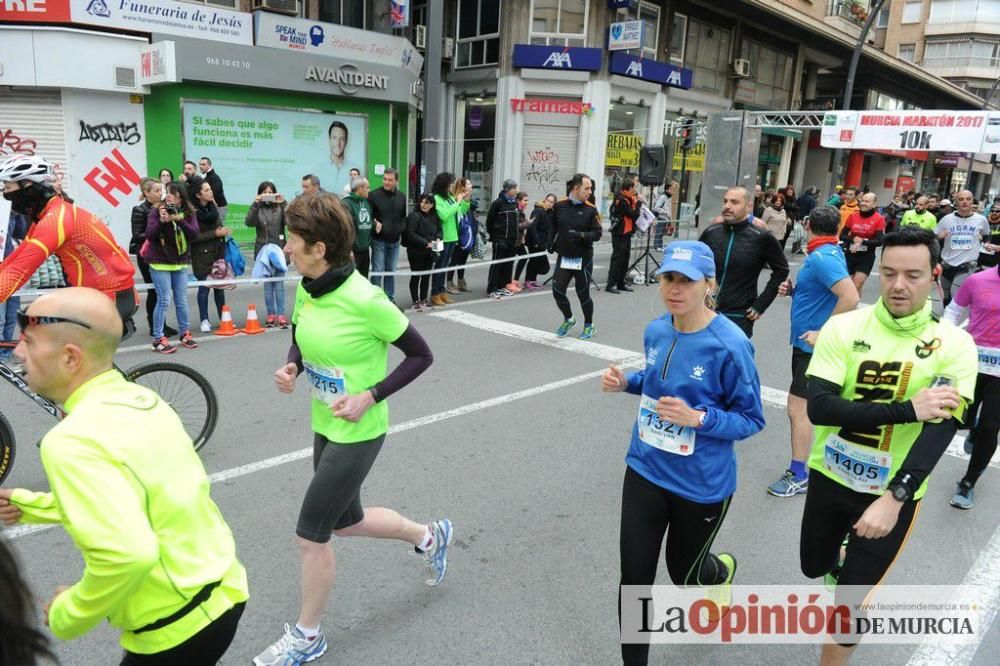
(856, 12)
(962, 61)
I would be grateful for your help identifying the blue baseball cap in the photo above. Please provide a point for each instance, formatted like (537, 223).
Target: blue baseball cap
(692, 259)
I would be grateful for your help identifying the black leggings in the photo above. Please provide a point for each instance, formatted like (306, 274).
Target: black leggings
(501, 274)
(984, 434)
(459, 257)
(560, 282)
(830, 513)
(420, 284)
(647, 512)
(203, 649)
(151, 294)
(363, 260)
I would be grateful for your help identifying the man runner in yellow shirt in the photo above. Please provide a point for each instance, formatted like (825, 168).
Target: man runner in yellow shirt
(160, 561)
(887, 384)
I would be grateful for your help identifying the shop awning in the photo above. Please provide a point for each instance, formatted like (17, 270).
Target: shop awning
(780, 131)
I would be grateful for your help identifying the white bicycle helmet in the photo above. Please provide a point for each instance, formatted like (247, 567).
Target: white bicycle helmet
(26, 167)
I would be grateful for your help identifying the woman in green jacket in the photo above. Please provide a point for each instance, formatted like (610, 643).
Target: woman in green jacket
(450, 208)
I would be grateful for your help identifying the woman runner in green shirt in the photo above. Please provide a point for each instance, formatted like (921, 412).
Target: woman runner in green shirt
(341, 329)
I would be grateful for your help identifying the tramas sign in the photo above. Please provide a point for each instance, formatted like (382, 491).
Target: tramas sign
(958, 131)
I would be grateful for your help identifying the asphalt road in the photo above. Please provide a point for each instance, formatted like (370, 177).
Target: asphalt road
(513, 440)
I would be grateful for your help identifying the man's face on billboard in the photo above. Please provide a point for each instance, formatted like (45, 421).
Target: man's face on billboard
(338, 142)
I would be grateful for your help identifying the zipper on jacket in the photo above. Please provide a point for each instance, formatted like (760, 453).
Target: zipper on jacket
(666, 363)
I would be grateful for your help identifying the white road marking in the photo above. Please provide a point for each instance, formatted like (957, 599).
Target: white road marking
(243, 470)
(527, 334)
(980, 586)
(769, 395)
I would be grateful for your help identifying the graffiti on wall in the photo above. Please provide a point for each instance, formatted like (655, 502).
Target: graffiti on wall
(12, 144)
(127, 133)
(542, 166)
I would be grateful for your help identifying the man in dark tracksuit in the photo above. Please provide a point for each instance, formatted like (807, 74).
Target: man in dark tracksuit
(501, 224)
(625, 211)
(741, 252)
(576, 226)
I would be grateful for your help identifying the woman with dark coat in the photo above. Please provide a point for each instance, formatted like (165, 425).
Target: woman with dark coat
(423, 230)
(207, 247)
(267, 216)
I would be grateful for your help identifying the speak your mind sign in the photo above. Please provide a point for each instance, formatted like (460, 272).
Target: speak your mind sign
(167, 17)
(249, 144)
(957, 131)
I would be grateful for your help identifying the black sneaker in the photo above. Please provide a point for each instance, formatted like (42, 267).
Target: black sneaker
(188, 340)
(169, 331)
(163, 346)
(625, 287)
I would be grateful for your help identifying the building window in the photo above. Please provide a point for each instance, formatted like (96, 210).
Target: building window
(677, 39)
(707, 53)
(882, 21)
(478, 33)
(962, 53)
(912, 11)
(964, 11)
(772, 74)
(559, 22)
(906, 52)
(649, 14)
(343, 12)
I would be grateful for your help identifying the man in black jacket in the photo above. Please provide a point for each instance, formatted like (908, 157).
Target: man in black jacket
(576, 226)
(389, 208)
(209, 174)
(741, 252)
(625, 210)
(501, 224)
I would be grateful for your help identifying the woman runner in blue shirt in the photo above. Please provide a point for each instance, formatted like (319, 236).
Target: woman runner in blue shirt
(700, 392)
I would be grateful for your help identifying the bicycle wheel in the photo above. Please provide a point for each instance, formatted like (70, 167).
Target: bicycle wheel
(187, 391)
(7, 448)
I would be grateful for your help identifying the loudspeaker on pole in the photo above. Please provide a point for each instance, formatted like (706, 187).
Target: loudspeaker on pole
(652, 164)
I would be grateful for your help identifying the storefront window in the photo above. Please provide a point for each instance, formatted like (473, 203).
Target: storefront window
(478, 145)
(772, 75)
(649, 14)
(626, 127)
(768, 161)
(562, 22)
(478, 33)
(687, 169)
(707, 53)
(343, 12)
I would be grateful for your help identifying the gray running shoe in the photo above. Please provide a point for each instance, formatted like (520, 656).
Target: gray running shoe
(292, 649)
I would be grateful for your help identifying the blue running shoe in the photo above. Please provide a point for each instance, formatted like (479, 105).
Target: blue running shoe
(965, 496)
(292, 649)
(588, 332)
(565, 326)
(437, 557)
(787, 486)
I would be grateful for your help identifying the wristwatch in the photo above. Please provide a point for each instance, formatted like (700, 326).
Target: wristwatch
(701, 418)
(901, 492)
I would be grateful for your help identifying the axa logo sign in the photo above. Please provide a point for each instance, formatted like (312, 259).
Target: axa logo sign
(558, 60)
(634, 69)
(98, 8)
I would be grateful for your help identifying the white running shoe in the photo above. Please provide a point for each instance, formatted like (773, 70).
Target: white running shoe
(292, 649)
(206, 327)
(437, 557)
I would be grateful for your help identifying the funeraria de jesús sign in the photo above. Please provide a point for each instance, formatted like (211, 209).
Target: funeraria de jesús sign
(348, 77)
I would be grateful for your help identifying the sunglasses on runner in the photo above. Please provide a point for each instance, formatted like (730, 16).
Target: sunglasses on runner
(25, 320)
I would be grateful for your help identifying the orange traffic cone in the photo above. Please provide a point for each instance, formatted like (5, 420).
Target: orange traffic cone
(226, 327)
(253, 326)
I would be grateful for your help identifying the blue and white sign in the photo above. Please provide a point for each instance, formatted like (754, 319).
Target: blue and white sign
(651, 70)
(167, 17)
(625, 35)
(533, 56)
(620, 4)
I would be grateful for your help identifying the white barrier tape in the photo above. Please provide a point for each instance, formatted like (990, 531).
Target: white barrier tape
(477, 264)
(463, 267)
(142, 287)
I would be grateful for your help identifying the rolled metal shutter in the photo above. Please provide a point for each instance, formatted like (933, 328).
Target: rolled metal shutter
(548, 160)
(31, 123)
